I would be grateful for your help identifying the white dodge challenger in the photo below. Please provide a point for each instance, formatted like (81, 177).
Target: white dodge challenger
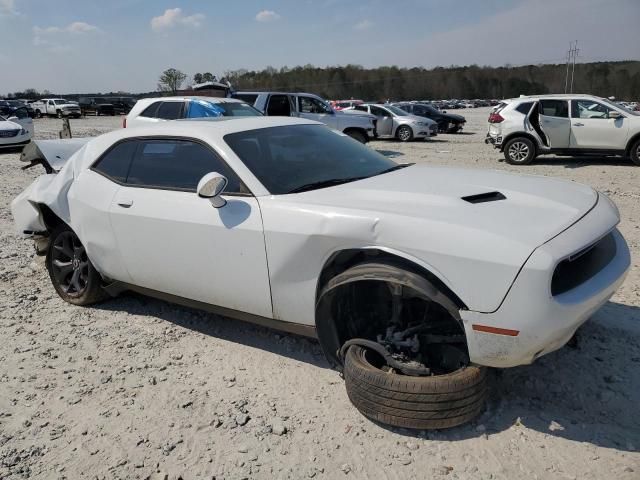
(412, 278)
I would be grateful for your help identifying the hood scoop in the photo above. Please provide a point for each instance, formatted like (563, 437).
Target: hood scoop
(484, 197)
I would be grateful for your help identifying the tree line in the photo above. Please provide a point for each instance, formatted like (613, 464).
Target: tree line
(605, 79)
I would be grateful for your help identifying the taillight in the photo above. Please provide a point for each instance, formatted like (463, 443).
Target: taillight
(495, 118)
(124, 122)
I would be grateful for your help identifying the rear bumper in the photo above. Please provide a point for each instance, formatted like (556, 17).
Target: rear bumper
(532, 322)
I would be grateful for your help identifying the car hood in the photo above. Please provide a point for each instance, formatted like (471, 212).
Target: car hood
(535, 208)
(420, 213)
(7, 125)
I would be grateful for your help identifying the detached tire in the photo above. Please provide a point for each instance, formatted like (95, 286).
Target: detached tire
(441, 401)
(72, 274)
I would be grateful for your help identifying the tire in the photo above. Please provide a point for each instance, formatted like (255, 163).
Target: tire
(634, 154)
(357, 135)
(66, 259)
(519, 151)
(404, 133)
(59, 113)
(38, 114)
(436, 402)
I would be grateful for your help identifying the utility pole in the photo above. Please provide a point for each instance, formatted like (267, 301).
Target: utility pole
(572, 54)
(573, 69)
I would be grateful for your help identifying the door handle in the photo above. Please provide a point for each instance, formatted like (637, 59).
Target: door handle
(578, 124)
(125, 203)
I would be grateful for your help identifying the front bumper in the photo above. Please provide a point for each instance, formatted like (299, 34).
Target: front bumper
(531, 322)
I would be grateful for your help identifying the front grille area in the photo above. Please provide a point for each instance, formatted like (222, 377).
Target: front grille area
(8, 133)
(583, 265)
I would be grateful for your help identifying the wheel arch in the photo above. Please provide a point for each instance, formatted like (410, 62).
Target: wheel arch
(630, 143)
(361, 130)
(511, 136)
(396, 269)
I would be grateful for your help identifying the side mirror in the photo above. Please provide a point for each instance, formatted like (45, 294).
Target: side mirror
(612, 114)
(211, 186)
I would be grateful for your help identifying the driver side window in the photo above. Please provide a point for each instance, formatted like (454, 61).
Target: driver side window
(588, 109)
(379, 112)
(311, 105)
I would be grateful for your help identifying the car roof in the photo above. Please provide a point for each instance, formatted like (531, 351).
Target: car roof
(555, 96)
(192, 97)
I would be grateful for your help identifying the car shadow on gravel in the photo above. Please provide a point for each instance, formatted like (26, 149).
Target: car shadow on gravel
(586, 393)
(579, 162)
(289, 345)
(390, 153)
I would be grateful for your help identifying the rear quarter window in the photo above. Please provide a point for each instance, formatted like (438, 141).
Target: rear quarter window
(524, 108)
(151, 110)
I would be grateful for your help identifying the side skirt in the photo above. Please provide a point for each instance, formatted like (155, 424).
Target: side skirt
(309, 331)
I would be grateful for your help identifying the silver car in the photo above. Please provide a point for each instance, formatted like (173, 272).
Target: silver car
(393, 122)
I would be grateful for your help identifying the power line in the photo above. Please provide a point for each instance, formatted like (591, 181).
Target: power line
(572, 55)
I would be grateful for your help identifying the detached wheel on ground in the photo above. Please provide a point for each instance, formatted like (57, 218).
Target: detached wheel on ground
(519, 151)
(72, 274)
(635, 153)
(428, 402)
(404, 133)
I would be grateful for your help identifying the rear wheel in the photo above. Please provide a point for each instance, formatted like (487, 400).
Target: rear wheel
(59, 113)
(404, 133)
(72, 274)
(519, 151)
(635, 153)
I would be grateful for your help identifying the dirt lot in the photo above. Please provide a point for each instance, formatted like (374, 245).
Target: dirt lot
(136, 386)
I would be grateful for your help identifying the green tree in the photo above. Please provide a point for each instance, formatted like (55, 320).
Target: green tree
(171, 80)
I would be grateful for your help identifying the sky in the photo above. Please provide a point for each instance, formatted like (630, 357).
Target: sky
(69, 46)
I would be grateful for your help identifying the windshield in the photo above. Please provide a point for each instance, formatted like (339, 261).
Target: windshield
(205, 109)
(396, 110)
(290, 158)
(60, 101)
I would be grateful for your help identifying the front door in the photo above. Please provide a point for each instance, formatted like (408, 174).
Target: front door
(555, 122)
(384, 126)
(173, 241)
(591, 126)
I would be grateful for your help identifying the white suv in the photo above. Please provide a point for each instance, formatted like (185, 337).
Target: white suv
(526, 127)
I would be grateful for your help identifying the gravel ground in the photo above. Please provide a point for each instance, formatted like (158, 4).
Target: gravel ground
(137, 387)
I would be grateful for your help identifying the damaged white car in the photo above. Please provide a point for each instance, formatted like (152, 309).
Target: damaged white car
(403, 272)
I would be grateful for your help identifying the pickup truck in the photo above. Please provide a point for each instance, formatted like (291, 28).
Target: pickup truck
(56, 107)
(306, 105)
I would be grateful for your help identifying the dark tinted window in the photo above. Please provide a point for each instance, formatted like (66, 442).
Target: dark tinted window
(525, 107)
(554, 108)
(151, 110)
(287, 158)
(177, 164)
(115, 164)
(362, 108)
(250, 98)
(279, 106)
(170, 110)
